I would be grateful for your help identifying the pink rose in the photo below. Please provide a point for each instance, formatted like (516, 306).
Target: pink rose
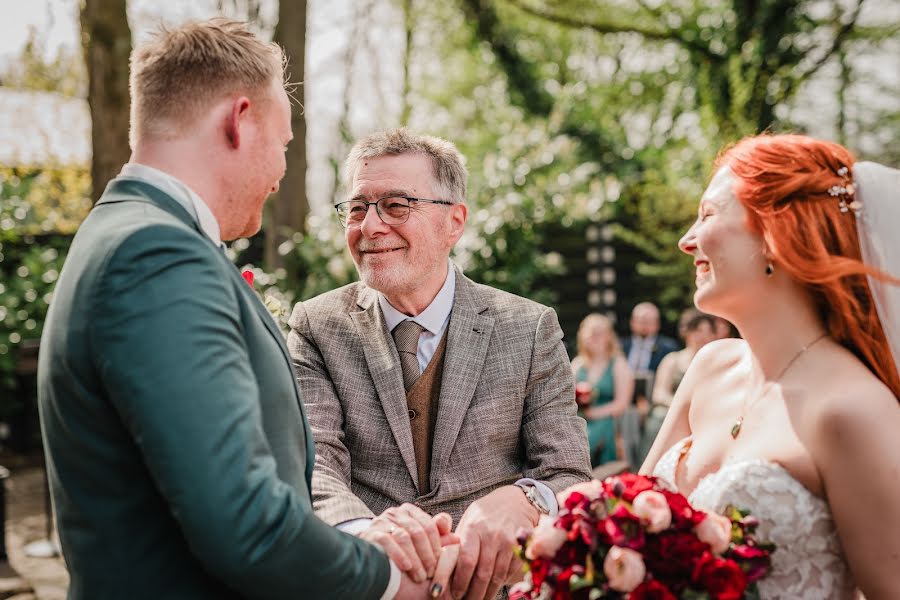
(592, 490)
(715, 530)
(624, 569)
(652, 508)
(546, 540)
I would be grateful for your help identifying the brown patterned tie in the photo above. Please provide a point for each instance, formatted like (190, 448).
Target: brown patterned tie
(406, 338)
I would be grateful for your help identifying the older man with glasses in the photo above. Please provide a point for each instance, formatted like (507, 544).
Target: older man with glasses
(429, 393)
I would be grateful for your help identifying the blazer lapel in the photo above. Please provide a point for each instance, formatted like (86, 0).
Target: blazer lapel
(124, 189)
(384, 366)
(469, 335)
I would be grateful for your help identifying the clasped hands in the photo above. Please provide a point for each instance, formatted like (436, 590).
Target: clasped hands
(472, 563)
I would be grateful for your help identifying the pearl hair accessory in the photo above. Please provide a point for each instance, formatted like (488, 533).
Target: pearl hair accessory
(846, 192)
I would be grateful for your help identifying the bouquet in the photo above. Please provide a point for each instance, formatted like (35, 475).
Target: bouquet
(631, 537)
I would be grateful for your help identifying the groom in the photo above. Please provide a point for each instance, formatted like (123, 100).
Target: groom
(178, 452)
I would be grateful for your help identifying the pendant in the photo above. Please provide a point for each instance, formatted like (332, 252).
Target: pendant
(736, 428)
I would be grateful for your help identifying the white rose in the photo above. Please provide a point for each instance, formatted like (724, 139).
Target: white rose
(652, 508)
(715, 530)
(624, 569)
(546, 540)
(592, 490)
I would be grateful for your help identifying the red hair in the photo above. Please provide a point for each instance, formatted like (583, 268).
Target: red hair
(783, 182)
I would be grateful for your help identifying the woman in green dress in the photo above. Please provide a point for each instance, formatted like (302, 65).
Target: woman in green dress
(601, 367)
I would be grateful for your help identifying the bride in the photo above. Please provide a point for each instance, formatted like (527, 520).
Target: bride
(798, 421)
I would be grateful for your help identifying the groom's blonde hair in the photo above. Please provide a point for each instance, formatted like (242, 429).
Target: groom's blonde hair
(179, 73)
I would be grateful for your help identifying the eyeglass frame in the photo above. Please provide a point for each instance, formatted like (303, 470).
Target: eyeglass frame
(409, 199)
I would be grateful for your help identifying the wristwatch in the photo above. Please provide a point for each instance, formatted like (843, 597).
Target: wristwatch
(535, 497)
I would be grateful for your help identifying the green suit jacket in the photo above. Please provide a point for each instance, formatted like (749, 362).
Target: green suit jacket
(178, 452)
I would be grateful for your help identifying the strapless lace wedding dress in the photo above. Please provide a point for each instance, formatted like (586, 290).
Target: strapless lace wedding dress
(808, 562)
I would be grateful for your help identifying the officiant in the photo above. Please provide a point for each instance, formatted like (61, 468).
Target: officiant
(425, 387)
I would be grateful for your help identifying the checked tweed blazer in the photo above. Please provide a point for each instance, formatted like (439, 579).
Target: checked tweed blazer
(506, 409)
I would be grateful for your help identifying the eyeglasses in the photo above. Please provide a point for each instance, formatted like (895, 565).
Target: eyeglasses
(393, 210)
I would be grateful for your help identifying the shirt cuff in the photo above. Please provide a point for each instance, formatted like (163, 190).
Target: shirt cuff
(354, 526)
(546, 493)
(393, 583)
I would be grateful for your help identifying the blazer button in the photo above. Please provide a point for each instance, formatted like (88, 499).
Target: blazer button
(412, 414)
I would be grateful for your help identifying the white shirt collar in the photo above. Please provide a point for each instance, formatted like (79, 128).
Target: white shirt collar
(433, 317)
(178, 190)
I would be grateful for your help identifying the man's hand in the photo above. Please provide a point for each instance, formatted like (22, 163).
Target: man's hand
(487, 532)
(412, 538)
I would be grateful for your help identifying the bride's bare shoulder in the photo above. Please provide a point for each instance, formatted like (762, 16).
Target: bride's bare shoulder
(720, 355)
(860, 398)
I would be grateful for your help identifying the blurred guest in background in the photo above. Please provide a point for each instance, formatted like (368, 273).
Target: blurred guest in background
(724, 329)
(645, 349)
(696, 329)
(601, 367)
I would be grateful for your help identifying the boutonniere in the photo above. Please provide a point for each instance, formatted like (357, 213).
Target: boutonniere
(270, 299)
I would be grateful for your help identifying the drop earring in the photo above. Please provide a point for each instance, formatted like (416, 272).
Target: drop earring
(769, 269)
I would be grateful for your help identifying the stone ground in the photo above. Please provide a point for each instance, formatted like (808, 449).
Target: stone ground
(24, 577)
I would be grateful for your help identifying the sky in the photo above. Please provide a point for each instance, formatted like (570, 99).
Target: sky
(54, 19)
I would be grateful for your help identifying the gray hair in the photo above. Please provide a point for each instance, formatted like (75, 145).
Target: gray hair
(448, 165)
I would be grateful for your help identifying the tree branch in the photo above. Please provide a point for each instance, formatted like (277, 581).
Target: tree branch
(836, 43)
(666, 34)
(836, 46)
(526, 88)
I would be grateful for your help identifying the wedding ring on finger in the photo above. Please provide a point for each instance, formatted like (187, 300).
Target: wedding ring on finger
(392, 530)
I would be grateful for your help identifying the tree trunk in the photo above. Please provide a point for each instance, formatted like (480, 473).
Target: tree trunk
(289, 209)
(107, 46)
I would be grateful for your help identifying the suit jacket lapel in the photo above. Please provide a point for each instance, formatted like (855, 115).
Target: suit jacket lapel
(469, 335)
(124, 189)
(384, 366)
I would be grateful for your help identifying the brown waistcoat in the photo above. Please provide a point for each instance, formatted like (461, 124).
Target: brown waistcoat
(422, 403)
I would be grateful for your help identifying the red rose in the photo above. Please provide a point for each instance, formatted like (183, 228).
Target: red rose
(248, 277)
(539, 570)
(672, 556)
(720, 577)
(629, 484)
(652, 590)
(622, 528)
(577, 500)
(754, 561)
(684, 516)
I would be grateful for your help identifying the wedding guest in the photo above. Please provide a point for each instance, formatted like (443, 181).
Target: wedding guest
(425, 387)
(178, 454)
(796, 244)
(601, 366)
(696, 329)
(724, 329)
(645, 349)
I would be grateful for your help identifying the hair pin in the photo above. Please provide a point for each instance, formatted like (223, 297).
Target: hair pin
(846, 192)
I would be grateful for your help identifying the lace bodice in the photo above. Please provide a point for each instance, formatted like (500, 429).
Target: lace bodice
(808, 562)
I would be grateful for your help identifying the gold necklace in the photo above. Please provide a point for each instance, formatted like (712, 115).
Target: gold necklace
(736, 428)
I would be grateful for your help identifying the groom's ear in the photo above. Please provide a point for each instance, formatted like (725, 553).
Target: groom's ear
(237, 117)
